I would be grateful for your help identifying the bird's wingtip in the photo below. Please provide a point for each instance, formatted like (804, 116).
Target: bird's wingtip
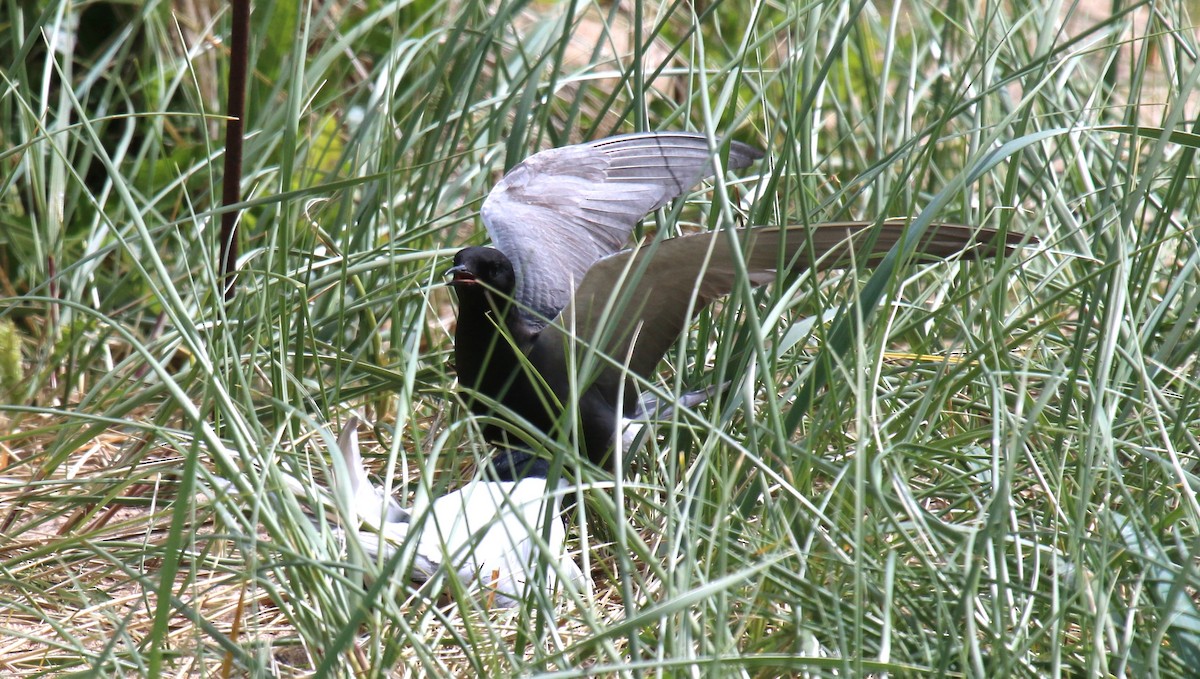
(742, 154)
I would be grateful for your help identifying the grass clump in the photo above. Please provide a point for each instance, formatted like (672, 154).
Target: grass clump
(984, 469)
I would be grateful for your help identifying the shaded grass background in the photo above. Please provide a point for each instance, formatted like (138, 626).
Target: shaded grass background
(983, 469)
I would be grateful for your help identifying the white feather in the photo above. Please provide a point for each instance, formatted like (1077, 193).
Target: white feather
(371, 504)
(487, 534)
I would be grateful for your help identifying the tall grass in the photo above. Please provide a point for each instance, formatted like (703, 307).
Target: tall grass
(981, 469)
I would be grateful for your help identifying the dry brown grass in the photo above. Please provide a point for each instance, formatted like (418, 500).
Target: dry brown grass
(80, 577)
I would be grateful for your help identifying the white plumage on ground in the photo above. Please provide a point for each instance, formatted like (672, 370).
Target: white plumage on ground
(491, 535)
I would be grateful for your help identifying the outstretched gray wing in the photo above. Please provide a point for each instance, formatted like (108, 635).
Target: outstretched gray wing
(562, 209)
(634, 304)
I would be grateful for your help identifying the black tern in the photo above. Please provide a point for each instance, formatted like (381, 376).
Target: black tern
(558, 281)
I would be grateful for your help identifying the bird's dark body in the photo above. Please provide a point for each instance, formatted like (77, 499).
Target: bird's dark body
(511, 367)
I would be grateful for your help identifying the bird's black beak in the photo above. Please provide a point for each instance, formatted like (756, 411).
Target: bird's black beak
(461, 275)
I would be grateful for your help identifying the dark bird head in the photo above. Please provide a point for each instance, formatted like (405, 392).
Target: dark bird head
(488, 266)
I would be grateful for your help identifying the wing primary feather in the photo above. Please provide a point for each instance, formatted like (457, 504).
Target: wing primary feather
(651, 288)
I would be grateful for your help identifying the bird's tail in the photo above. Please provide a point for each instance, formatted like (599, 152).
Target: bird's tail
(653, 408)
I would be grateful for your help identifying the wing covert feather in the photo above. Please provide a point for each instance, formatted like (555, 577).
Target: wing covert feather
(562, 209)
